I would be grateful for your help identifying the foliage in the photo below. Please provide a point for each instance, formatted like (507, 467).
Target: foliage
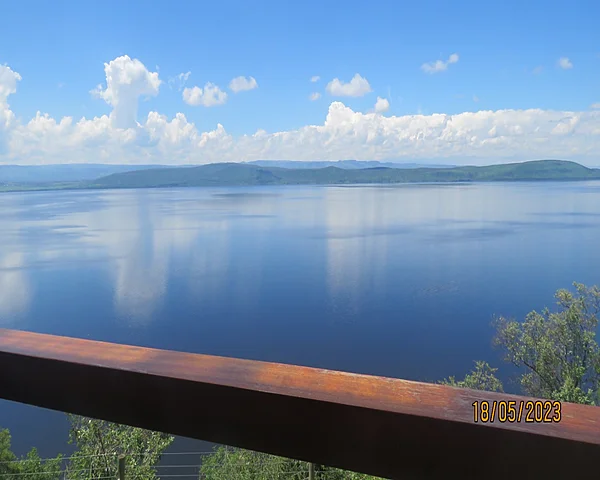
(99, 444)
(236, 464)
(557, 350)
(31, 467)
(228, 463)
(482, 378)
(329, 473)
(7, 457)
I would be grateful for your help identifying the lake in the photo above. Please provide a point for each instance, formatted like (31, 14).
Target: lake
(398, 280)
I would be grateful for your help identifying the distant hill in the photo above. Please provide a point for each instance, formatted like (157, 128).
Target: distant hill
(226, 174)
(346, 164)
(80, 172)
(76, 172)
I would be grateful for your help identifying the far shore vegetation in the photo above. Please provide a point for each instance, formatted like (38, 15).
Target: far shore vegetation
(555, 352)
(252, 174)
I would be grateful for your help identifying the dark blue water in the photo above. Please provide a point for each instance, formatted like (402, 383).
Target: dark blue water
(398, 281)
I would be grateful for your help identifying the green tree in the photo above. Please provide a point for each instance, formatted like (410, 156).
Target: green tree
(30, 467)
(228, 463)
(7, 457)
(482, 378)
(99, 444)
(557, 350)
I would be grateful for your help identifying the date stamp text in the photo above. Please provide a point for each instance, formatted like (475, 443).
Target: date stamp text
(528, 411)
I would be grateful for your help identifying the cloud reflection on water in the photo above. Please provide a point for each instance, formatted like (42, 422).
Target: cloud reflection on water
(215, 240)
(15, 291)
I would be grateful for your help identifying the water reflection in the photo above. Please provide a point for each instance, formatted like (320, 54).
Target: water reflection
(356, 235)
(147, 240)
(15, 291)
(221, 250)
(141, 239)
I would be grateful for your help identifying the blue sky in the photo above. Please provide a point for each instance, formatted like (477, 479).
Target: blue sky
(507, 52)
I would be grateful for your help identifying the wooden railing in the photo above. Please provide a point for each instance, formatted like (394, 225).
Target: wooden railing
(382, 426)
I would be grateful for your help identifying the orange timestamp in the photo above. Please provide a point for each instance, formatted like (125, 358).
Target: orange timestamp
(529, 411)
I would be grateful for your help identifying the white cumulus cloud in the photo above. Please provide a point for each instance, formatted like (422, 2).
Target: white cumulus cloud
(439, 65)
(210, 96)
(242, 84)
(315, 78)
(314, 96)
(8, 85)
(565, 63)
(382, 105)
(8, 82)
(357, 87)
(486, 136)
(126, 81)
(595, 105)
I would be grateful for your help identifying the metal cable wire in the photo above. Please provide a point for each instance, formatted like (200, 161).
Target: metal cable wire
(61, 473)
(65, 473)
(278, 473)
(63, 458)
(188, 453)
(193, 475)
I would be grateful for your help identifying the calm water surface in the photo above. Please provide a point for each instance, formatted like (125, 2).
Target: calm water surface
(390, 280)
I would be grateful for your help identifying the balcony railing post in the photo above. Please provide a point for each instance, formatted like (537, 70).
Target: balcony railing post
(121, 467)
(311, 471)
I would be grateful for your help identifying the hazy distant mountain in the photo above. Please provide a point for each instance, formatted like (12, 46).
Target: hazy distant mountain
(345, 164)
(63, 173)
(80, 172)
(229, 174)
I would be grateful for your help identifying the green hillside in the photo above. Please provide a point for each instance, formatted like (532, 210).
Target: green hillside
(224, 174)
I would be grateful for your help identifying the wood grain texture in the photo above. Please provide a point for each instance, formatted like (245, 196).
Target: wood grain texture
(383, 426)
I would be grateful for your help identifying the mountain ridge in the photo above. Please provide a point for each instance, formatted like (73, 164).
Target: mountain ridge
(231, 174)
(345, 164)
(240, 174)
(78, 172)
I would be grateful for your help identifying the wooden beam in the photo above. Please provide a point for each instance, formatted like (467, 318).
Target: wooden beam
(381, 426)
